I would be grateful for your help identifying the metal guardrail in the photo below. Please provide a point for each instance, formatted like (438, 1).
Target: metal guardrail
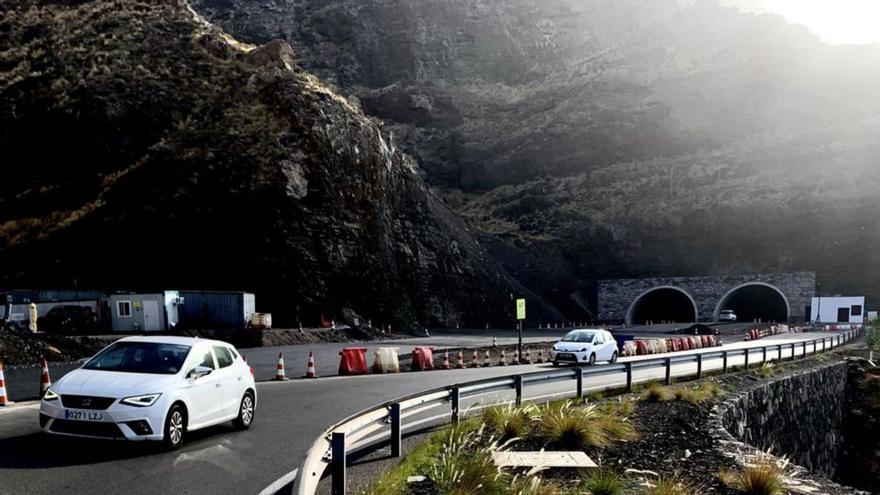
(387, 422)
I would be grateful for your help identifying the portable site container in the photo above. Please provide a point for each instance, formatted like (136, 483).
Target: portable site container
(144, 312)
(216, 309)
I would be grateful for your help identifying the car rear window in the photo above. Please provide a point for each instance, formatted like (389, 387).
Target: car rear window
(224, 357)
(140, 357)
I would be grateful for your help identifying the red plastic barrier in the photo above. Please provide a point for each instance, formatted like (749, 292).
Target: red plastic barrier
(353, 361)
(641, 347)
(422, 359)
(683, 344)
(704, 339)
(711, 340)
(692, 344)
(676, 345)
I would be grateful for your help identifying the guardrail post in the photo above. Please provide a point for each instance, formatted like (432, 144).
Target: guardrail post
(456, 400)
(337, 446)
(838, 341)
(518, 384)
(823, 344)
(395, 429)
(629, 377)
(724, 363)
(746, 355)
(668, 363)
(764, 357)
(699, 366)
(792, 351)
(579, 376)
(779, 352)
(814, 346)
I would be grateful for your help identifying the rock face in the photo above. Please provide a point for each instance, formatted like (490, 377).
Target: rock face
(800, 416)
(144, 148)
(595, 139)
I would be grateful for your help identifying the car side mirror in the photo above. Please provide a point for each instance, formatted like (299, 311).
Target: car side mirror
(200, 371)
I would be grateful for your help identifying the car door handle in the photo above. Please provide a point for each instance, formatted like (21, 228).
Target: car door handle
(217, 385)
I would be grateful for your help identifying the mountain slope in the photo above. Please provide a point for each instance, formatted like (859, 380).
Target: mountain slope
(145, 148)
(596, 139)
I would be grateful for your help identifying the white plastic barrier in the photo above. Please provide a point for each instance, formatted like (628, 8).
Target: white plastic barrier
(629, 348)
(386, 360)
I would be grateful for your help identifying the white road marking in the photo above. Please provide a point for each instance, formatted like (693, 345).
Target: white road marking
(279, 483)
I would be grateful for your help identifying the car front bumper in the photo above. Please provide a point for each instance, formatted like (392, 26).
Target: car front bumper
(117, 422)
(569, 356)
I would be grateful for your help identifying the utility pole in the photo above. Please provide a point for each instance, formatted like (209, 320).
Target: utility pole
(520, 316)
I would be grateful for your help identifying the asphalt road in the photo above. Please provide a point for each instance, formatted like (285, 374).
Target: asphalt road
(290, 416)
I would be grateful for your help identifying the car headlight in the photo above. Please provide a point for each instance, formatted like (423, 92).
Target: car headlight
(583, 350)
(141, 400)
(50, 395)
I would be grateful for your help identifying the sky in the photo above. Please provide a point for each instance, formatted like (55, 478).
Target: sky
(835, 21)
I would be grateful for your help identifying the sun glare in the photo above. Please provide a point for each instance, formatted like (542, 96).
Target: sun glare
(835, 21)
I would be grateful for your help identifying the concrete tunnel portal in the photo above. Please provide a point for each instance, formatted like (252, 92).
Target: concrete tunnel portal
(755, 301)
(669, 304)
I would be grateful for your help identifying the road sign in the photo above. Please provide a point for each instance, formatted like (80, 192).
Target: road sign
(520, 309)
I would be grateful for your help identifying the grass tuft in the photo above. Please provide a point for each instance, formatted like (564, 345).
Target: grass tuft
(655, 393)
(511, 421)
(603, 482)
(763, 477)
(670, 486)
(571, 428)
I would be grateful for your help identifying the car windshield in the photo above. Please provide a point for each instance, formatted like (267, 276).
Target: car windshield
(578, 336)
(140, 357)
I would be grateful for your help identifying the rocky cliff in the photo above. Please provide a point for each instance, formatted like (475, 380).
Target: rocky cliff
(145, 148)
(598, 139)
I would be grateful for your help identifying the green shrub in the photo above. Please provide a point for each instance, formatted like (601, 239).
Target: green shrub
(464, 465)
(533, 486)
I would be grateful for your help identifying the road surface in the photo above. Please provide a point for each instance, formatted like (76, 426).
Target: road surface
(289, 417)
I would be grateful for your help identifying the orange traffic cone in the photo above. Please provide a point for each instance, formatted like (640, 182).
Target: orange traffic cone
(459, 362)
(445, 365)
(44, 378)
(528, 359)
(3, 399)
(503, 361)
(279, 370)
(487, 360)
(515, 358)
(494, 342)
(475, 360)
(310, 371)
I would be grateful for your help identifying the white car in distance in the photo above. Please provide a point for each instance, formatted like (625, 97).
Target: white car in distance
(727, 315)
(585, 346)
(152, 388)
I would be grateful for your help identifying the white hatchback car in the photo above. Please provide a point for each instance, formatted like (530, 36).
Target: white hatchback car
(152, 388)
(585, 346)
(727, 315)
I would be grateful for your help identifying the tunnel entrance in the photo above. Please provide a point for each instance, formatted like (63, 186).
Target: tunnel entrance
(755, 301)
(669, 304)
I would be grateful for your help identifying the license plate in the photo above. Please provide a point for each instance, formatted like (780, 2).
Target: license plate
(565, 355)
(83, 415)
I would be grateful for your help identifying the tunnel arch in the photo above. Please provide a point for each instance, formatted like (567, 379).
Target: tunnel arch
(663, 303)
(755, 300)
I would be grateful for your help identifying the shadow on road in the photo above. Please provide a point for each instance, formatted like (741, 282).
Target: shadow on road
(40, 450)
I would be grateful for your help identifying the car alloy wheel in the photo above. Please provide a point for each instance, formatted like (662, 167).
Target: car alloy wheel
(175, 427)
(592, 359)
(614, 358)
(246, 411)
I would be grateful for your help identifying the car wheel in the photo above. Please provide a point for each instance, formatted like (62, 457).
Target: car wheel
(592, 359)
(175, 427)
(614, 358)
(246, 412)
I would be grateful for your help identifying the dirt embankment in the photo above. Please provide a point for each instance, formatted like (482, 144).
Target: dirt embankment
(19, 348)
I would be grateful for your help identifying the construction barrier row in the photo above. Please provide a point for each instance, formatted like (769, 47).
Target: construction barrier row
(45, 382)
(660, 346)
